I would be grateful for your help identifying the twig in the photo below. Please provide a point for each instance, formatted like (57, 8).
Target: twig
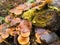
(7, 42)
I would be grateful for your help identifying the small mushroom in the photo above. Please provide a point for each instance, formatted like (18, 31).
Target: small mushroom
(38, 38)
(25, 28)
(33, 4)
(17, 28)
(25, 24)
(22, 40)
(8, 18)
(14, 21)
(1, 39)
(18, 10)
(25, 33)
(5, 35)
(13, 31)
(3, 26)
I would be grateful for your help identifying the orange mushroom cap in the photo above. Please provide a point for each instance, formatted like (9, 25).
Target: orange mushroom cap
(1, 39)
(22, 40)
(38, 38)
(25, 34)
(5, 35)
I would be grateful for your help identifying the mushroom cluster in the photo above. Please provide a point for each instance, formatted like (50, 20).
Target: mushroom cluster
(16, 26)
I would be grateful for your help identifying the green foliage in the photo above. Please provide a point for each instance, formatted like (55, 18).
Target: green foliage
(1, 19)
(10, 6)
(30, 1)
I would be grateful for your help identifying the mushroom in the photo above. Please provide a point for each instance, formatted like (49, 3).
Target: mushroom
(14, 21)
(25, 24)
(8, 30)
(5, 35)
(8, 18)
(33, 4)
(1, 39)
(28, 6)
(3, 32)
(22, 40)
(13, 31)
(25, 33)
(25, 28)
(3, 26)
(17, 10)
(38, 38)
(17, 28)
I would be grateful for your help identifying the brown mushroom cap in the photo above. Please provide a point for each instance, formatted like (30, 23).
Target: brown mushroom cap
(25, 23)
(22, 40)
(25, 34)
(3, 26)
(25, 28)
(17, 10)
(1, 39)
(38, 41)
(8, 19)
(14, 21)
(8, 30)
(5, 35)
(13, 31)
(37, 35)
(3, 32)
(18, 29)
(38, 38)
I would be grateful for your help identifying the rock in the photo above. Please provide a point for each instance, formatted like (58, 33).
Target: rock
(56, 3)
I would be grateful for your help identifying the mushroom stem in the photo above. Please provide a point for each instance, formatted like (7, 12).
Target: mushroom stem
(26, 44)
(15, 39)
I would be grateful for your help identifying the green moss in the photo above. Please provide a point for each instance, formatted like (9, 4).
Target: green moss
(42, 18)
(1, 19)
(29, 14)
(30, 1)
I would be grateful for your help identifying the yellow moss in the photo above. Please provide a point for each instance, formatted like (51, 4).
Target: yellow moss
(42, 19)
(29, 14)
